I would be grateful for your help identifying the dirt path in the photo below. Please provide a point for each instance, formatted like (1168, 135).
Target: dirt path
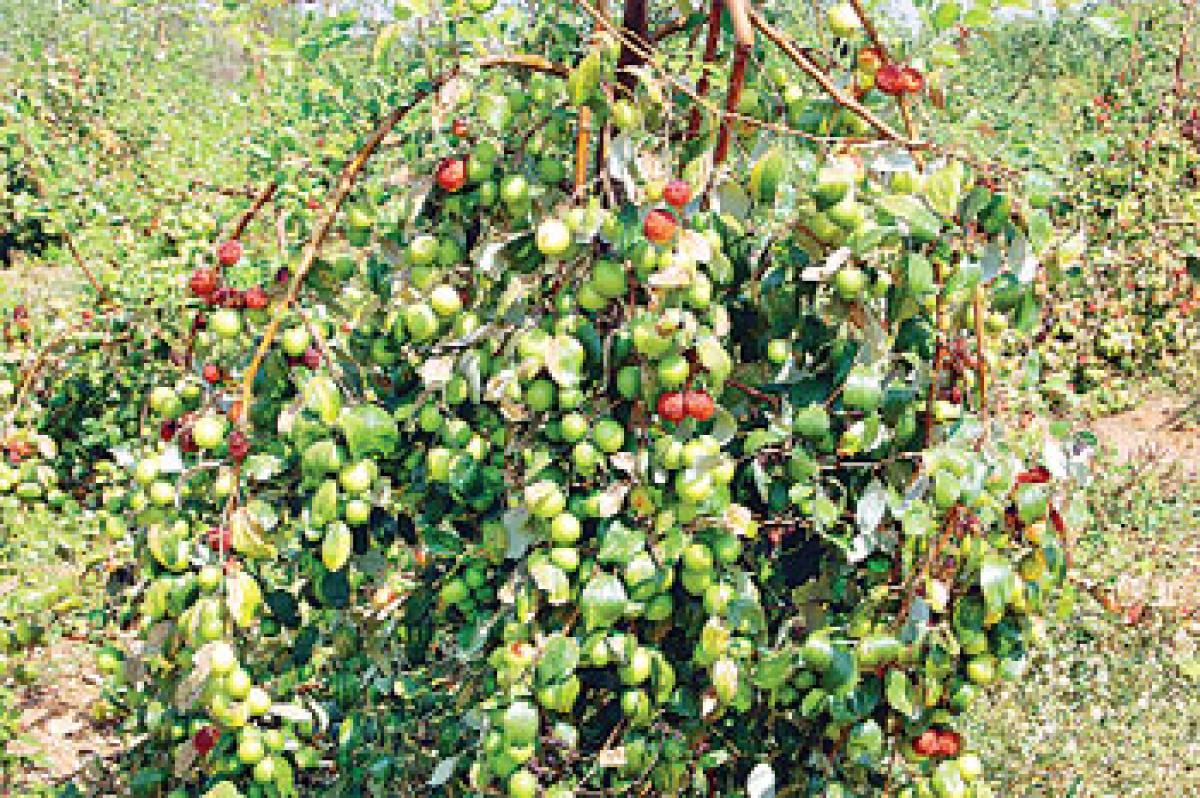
(60, 732)
(1151, 431)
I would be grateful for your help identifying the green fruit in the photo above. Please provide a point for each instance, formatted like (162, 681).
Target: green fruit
(225, 323)
(520, 724)
(421, 322)
(553, 238)
(850, 282)
(209, 432)
(609, 435)
(522, 784)
(673, 372)
(445, 301)
(295, 341)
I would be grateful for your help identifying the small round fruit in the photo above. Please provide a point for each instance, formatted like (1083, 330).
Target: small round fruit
(452, 174)
(671, 406)
(553, 238)
(225, 323)
(445, 301)
(850, 282)
(222, 659)
(677, 193)
(699, 405)
(229, 252)
(295, 341)
(208, 432)
(421, 322)
(609, 435)
(565, 528)
(843, 20)
(779, 350)
(522, 784)
(659, 226)
(673, 371)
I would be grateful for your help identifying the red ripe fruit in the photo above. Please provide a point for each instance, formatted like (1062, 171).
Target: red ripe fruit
(219, 538)
(460, 129)
(677, 193)
(255, 298)
(1035, 476)
(206, 739)
(312, 204)
(239, 446)
(659, 226)
(670, 406)
(890, 79)
(911, 81)
(229, 252)
(212, 373)
(218, 297)
(20, 313)
(203, 281)
(452, 174)
(283, 276)
(949, 743)
(928, 744)
(168, 429)
(187, 444)
(312, 357)
(234, 299)
(699, 405)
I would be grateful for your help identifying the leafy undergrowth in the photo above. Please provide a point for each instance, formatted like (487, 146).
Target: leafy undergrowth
(1110, 707)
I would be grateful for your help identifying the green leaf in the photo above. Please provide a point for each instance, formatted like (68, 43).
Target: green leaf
(553, 581)
(922, 224)
(946, 15)
(900, 694)
(602, 602)
(560, 657)
(998, 582)
(943, 188)
(620, 544)
(322, 397)
(243, 597)
(336, 546)
(369, 430)
(584, 79)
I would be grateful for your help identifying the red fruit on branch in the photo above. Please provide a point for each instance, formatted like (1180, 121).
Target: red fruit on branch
(911, 81)
(677, 193)
(239, 446)
(219, 538)
(460, 128)
(928, 743)
(168, 429)
(659, 226)
(206, 739)
(452, 174)
(229, 252)
(1035, 476)
(234, 299)
(203, 282)
(312, 357)
(949, 743)
(890, 80)
(869, 60)
(212, 373)
(671, 407)
(255, 298)
(699, 405)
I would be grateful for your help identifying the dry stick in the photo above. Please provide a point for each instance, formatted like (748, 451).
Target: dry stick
(262, 199)
(346, 182)
(800, 59)
(1181, 57)
(712, 37)
(981, 362)
(743, 31)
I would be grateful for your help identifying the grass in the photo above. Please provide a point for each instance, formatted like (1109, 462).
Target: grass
(1111, 709)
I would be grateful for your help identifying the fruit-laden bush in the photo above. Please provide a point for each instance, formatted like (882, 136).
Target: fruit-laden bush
(522, 469)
